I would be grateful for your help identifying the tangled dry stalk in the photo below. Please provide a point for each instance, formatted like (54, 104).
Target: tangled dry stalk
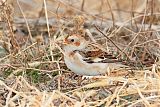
(33, 73)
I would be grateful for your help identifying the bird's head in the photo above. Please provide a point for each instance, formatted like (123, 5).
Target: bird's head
(74, 42)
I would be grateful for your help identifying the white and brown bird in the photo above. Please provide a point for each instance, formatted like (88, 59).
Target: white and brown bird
(89, 66)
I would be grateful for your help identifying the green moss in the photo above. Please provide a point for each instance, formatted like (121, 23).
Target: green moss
(34, 75)
(7, 72)
(55, 73)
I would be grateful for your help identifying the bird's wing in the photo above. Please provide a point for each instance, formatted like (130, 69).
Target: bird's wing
(98, 56)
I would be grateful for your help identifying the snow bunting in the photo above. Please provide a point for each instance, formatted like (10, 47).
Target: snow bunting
(85, 66)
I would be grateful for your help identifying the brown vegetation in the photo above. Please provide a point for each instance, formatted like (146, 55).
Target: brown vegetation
(32, 70)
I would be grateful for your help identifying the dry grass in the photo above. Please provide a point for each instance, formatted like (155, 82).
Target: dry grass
(33, 73)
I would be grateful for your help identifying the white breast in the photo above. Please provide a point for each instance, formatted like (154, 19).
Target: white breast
(77, 65)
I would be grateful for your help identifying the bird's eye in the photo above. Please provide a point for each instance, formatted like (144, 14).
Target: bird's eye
(72, 40)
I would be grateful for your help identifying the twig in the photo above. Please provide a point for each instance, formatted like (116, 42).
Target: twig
(140, 94)
(110, 8)
(29, 31)
(11, 28)
(90, 35)
(111, 41)
(82, 5)
(152, 11)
